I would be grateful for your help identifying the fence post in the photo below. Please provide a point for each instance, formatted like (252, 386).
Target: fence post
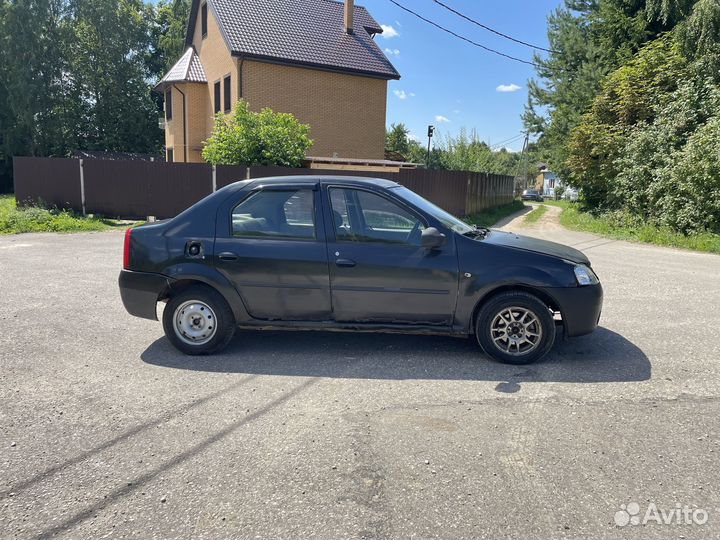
(214, 179)
(82, 187)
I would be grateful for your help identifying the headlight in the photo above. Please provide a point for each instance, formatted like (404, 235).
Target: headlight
(585, 275)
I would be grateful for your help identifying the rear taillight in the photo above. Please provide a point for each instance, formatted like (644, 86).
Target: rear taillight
(126, 250)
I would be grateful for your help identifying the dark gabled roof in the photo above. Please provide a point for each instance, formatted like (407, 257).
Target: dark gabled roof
(299, 32)
(187, 69)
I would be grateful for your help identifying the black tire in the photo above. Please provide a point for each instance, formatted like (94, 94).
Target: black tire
(493, 309)
(224, 321)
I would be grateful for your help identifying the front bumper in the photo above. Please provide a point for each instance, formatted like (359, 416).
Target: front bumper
(140, 291)
(580, 307)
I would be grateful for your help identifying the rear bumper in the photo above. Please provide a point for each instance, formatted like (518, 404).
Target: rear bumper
(580, 308)
(140, 290)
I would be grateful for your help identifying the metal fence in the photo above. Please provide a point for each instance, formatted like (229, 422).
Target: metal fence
(137, 189)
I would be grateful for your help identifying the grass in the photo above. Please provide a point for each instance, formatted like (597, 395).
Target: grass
(535, 215)
(15, 220)
(624, 228)
(488, 218)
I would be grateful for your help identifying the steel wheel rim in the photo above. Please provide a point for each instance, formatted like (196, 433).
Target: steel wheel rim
(194, 322)
(516, 331)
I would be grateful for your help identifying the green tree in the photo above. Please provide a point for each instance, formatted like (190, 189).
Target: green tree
(168, 35)
(660, 169)
(396, 139)
(630, 95)
(646, 146)
(32, 33)
(110, 75)
(250, 138)
(35, 105)
(467, 152)
(699, 35)
(77, 74)
(589, 39)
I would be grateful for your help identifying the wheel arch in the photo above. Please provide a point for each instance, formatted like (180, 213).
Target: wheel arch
(542, 295)
(186, 276)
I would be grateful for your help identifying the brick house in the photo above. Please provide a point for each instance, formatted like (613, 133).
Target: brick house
(316, 59)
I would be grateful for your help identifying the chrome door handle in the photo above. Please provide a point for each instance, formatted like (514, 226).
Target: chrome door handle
(228, 256)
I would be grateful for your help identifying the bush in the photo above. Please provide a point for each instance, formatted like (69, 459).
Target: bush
(690, 190)
(668, 170)
(631, 96)
(250, 138)
(15, 220)
(649, 147)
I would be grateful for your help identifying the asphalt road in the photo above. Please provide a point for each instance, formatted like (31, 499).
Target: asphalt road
(106, 431)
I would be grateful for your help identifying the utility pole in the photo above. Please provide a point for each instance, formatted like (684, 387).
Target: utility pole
(431, 132)
(521, 181)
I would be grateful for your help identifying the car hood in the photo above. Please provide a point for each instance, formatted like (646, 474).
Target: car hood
(516, 241)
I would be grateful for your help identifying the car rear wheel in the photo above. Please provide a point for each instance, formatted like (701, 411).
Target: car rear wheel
(198, 321)
(515, 328)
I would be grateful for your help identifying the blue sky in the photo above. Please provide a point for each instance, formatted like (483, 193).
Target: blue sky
(450, 83)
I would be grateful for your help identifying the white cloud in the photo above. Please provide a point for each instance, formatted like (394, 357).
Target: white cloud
(402, 94)
(440, 119)
(398, 24)
(388, 32)
(413, 137)
(457, 111)
(505, 88)
(393, 52)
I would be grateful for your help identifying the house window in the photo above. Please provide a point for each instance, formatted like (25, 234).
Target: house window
(226, 95)
(203, 20)
(217, 97)
(168, 105)
(170, 155)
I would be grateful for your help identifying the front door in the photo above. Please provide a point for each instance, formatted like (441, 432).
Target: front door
(379, 272)
(275, 254)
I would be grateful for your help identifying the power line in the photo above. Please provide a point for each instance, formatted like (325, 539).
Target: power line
(439, 3)
(475, 43)
(507, 141)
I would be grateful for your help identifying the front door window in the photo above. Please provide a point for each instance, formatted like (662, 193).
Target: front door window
(362, 216)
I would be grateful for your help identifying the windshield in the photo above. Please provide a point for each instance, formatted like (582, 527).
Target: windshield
(447, 219)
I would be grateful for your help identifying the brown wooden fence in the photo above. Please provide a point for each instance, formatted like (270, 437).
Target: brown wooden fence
(137, 189)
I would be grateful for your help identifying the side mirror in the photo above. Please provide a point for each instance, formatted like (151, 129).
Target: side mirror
(431, 238)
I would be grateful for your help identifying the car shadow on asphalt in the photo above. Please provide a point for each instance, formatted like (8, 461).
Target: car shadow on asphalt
(603, 356)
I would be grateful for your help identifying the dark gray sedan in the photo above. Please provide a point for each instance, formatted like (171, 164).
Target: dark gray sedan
(351, 254)
(531, 195)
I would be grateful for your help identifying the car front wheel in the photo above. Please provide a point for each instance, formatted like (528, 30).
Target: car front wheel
(515, 328)
(198, 321)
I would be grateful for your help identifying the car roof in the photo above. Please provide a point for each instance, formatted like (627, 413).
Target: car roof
(325, 179)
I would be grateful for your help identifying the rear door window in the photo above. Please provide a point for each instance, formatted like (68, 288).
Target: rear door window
(276, 214)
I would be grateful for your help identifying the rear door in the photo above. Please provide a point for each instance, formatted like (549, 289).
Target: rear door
(275, 254)
(379, 273)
